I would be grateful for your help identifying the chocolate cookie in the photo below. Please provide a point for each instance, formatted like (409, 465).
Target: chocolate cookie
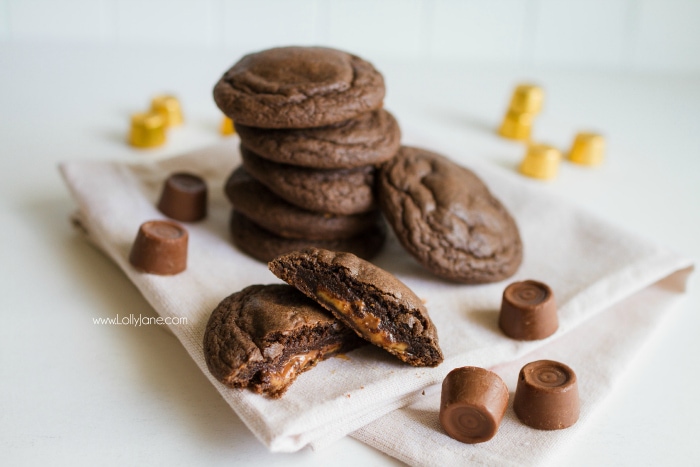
(378, 306)
(265, 246)
(341, 191)
(370, 138)
(274, 214)
(298, 87)
(264, 336)
(447, 219)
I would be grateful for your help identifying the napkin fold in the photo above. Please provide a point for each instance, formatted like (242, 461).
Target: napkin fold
(599, 351)
(590, 265)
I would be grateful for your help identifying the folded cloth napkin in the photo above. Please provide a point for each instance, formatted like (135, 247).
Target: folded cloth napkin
(589, 264)
(599, 351)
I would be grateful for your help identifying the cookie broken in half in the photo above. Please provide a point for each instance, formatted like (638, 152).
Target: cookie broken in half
(374, 303)
(264, 336)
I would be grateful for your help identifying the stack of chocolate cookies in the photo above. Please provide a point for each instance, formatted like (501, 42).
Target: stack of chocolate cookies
(313, 132)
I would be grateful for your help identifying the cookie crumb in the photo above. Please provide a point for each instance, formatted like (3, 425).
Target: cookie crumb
(423, 392)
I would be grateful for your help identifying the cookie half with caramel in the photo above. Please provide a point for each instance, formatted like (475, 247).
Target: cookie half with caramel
(264, 336)
(374, 303)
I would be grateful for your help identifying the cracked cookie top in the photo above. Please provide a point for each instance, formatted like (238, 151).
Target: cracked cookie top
(447, 218)
(298, 87)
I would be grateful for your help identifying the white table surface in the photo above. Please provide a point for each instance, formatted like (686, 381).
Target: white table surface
(75, 393)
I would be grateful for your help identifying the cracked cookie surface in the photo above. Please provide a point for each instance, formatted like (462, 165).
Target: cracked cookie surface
(298, 87)
(445, 216)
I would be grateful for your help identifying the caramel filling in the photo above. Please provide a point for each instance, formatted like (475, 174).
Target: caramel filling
(366, 323)
(342, 306)
(296, 364)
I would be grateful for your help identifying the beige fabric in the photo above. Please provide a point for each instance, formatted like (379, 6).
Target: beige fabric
(589, 264)
(599, 351)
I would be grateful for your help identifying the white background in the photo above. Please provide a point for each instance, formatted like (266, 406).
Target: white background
(71, 73)
(660, 35)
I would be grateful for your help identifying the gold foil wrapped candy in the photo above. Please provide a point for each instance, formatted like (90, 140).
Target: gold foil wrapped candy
(587, 149)
(525, 104)
(147, 130)
(227, 127)
(541, 161)
(516, 126)
(169, 107)
(527, 98)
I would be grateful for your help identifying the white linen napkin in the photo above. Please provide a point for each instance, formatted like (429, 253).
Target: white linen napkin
(589, 264)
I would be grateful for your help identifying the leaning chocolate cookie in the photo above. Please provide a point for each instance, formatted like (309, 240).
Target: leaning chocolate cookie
(340, 191)
(378, 306)
(445, 216)
(298, 87)
(370, 138)
(264, 336)
(265, 246)
(269, 211)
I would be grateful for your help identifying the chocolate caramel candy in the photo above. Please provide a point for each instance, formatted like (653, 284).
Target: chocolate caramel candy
(546, 397)
(184, 197)
(528, 311)
(160, 248)
(472, 404)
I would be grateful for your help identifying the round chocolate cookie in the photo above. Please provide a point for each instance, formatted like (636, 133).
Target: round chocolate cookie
(264, 336)
(447, 219)
(370, 138)
(298, 87)
(265, 246)
(257, 203)
(378, 306)
(341, 191)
